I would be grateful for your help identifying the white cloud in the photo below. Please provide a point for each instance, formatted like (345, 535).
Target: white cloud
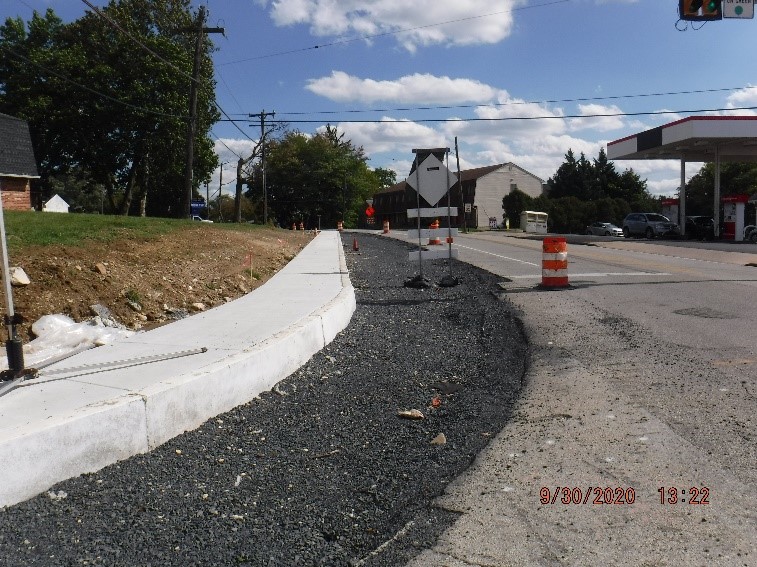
(742, 98)
(594, 119)
(417, 88)
(392, 135)
(427, 22)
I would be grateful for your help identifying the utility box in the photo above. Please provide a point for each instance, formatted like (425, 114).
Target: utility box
(533, 221)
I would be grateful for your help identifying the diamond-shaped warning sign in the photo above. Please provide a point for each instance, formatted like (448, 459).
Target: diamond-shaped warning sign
(432, 178)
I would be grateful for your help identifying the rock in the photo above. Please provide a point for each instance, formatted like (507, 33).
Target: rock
(60, 495)
(198, 306)
(101, 311)
(133, 305)
(411, 414)
(100, 267)
(176, 313)
(19, 277)
(440, 439)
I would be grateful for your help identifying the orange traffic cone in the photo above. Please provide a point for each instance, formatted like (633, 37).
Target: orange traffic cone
(355, 246)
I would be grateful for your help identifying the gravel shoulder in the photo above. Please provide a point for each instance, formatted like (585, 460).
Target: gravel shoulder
(322, 471)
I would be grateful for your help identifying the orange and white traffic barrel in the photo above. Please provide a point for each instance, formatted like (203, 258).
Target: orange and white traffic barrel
(294, 226)
(554, 263)
(386, 227)
(339, 225)
(302, 225)
(434, 238)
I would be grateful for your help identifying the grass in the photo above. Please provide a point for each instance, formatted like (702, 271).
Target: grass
(133, 296)
(29, 228)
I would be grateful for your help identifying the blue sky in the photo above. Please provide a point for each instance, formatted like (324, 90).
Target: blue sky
(399, 65)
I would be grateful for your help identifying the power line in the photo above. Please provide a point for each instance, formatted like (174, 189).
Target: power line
(384, 34)
(511, 118)
(116, 25)
(224, 145)
(154, 54)
(520, 102)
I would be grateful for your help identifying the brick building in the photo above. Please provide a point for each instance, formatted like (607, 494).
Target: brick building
(17, 164)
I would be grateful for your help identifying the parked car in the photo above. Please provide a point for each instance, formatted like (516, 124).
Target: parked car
(604, 229)
(650, 225)
(750, 233)
(700, 227)
(199, 218)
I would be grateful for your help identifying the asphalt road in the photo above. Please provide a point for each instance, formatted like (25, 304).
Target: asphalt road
(643, 381)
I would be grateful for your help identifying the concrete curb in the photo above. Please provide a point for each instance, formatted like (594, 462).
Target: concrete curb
(125, 422)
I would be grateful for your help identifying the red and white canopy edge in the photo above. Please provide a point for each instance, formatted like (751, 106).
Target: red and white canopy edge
(713, 139)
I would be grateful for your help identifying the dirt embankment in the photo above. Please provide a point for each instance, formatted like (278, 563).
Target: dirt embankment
(146, 283)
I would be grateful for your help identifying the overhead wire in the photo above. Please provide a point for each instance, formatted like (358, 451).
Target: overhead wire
(224, 144)
(511, 118)
(388, 33)
(514, 103)
(117, 26)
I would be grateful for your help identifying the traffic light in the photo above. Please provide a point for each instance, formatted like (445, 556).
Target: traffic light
(700, 10)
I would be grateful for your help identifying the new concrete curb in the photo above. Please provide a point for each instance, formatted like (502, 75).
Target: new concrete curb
(107, 421)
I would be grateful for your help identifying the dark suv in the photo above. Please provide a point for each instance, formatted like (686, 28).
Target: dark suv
(700, 227)
(650, 225)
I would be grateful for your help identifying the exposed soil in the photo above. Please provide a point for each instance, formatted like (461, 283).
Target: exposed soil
(146, 283)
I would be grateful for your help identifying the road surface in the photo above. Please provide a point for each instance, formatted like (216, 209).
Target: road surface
(635, 441)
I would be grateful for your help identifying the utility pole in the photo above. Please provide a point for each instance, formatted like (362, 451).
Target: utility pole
(200, 30)
(262, 115)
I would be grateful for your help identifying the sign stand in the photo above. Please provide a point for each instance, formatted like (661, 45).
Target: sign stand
(431, 181)
(13, 346)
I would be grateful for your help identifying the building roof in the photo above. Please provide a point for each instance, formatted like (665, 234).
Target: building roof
(16, 152)
(696, 138)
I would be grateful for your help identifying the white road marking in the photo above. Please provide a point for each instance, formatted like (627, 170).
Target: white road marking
(596, 275)
(497, 255)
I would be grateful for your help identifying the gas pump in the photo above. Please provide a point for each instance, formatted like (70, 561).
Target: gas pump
(733, 216)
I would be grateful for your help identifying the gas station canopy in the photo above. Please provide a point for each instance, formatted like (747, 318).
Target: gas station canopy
(697, 138)
(714, 139)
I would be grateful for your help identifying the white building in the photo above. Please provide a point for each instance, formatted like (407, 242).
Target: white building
(55, 205)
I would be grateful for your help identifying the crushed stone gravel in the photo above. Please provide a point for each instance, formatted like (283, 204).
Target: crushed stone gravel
(322, 470)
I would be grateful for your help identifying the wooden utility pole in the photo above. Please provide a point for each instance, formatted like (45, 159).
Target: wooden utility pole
(262, 115)
(200, 30)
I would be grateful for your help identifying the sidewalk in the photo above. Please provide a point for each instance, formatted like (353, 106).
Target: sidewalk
(115, 401)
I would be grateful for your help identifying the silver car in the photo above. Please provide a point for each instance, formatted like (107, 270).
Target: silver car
(604, 229)
(650, 225)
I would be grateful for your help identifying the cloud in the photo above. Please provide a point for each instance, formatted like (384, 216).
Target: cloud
(417, 88)
(429, 22)
(391, 135)
(595, 120)
(742, 98)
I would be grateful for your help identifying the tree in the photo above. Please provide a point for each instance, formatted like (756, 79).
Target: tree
(100, 105)
(385, 177)
(735, 178)
(514, 203)
(567, 180)
(322, 176)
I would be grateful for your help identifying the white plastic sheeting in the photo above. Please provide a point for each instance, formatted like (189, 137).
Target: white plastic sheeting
(58, 335)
